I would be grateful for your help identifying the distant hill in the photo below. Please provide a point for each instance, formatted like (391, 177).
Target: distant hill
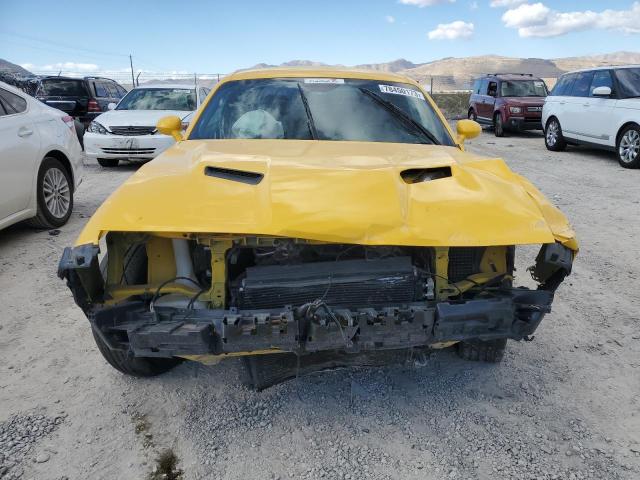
(12, 68)
(456, 73)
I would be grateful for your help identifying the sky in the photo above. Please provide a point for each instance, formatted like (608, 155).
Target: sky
(222, 36)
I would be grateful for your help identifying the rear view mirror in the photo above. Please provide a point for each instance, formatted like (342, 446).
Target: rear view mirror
(171, 126)
(601, 91)
(467, 129)
(111, 106)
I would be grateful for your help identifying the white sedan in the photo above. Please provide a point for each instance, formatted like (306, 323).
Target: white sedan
(40, 161)
(128, 130)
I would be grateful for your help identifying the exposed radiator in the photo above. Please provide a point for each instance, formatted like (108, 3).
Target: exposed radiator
(355, 283)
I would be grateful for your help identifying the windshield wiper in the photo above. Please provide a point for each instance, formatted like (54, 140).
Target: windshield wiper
(401, 115)
(310, 123)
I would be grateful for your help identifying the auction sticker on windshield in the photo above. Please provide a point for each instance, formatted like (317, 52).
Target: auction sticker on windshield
(407, 92)
(324, 80)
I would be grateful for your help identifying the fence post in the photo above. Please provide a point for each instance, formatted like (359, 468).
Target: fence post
(431, 86)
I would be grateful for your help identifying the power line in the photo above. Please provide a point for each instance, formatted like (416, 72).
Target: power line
(73, 48)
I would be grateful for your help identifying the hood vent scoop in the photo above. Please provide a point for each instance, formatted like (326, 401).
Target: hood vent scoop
(419, 175)
(242, 176)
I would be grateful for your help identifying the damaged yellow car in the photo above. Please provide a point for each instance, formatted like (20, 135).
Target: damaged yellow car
(312, 219)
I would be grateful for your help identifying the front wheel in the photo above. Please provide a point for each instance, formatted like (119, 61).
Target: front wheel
(134, 366)
(491, 351)
(498, 127)
(54, 195)
(628, 147)
(553, 138)
(108, 162)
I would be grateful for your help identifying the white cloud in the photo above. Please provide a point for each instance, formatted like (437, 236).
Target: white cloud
(506, 3)
(425, 3)
(538, 20)
(62, 66)
(452, 31)
(526, 16)
(390, 19)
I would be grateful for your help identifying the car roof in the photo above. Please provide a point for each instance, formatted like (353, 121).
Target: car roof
(190, 86)
(510, 76)
(15, 90)
(609, 67)
(317, 72)
(61, 77)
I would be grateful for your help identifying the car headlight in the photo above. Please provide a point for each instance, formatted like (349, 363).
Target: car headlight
(95, 127)
(515, 109)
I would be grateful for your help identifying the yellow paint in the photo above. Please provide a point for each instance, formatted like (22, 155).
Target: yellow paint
(119, 293)
(215, 359)
(494, 260)
(347, 192)
(467, 129)
(162, 263)
(170, 125)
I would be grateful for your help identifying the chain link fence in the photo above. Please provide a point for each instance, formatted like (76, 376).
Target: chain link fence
(450, 92)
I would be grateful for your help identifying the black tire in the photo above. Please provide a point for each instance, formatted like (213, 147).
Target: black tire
(490, 351)
(79, 126)
(60, 190)
(134, 366)
(628, 147)
(108, 162)
(553, 138)
(498, 127)
(135, 260)
(472, 115)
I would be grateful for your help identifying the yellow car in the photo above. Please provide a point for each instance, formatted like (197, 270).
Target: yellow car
(312, 219)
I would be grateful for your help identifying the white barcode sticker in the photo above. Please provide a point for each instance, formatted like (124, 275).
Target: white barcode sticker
(407, 92)
(324, 80)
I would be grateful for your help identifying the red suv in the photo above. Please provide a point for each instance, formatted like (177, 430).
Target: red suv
(508, 101)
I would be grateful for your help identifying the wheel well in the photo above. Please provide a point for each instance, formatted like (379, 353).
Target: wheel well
(549, 119)
(628, 124)
(62, 158)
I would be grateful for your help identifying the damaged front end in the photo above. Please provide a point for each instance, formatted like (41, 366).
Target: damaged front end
(206, 297)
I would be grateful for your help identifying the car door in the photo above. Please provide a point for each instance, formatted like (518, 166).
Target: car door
(555, 105)
(577, 115)
(601, 127)
(486, 101)
(19, 151)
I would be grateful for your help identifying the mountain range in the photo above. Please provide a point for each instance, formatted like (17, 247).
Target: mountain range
(456, 73)
(450, 73)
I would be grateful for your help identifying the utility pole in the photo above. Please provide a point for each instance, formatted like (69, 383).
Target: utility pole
(133, 80)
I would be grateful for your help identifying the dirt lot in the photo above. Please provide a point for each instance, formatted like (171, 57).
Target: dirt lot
(564, 406)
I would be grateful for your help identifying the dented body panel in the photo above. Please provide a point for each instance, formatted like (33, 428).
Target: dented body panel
(334, 192)
(238, 247)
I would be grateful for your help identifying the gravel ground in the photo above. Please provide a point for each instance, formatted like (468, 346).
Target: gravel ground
(564, 406)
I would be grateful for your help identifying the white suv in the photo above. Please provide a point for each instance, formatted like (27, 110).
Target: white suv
(598, 107)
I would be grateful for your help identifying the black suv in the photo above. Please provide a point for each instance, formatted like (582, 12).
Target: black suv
(82, 98)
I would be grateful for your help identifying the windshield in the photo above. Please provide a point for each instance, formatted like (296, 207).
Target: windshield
(159, 99)
(322, 109)
(62, 87)
(629, 82)
(523, 88)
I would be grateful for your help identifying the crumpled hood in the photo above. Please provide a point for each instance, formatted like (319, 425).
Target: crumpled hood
(350, 192)
(138, 118)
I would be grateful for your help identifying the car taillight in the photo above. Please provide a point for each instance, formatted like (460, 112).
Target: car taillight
(69, 122)
(93, 106)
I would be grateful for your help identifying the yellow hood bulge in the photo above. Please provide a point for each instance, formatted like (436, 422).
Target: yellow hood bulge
(350, 192)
